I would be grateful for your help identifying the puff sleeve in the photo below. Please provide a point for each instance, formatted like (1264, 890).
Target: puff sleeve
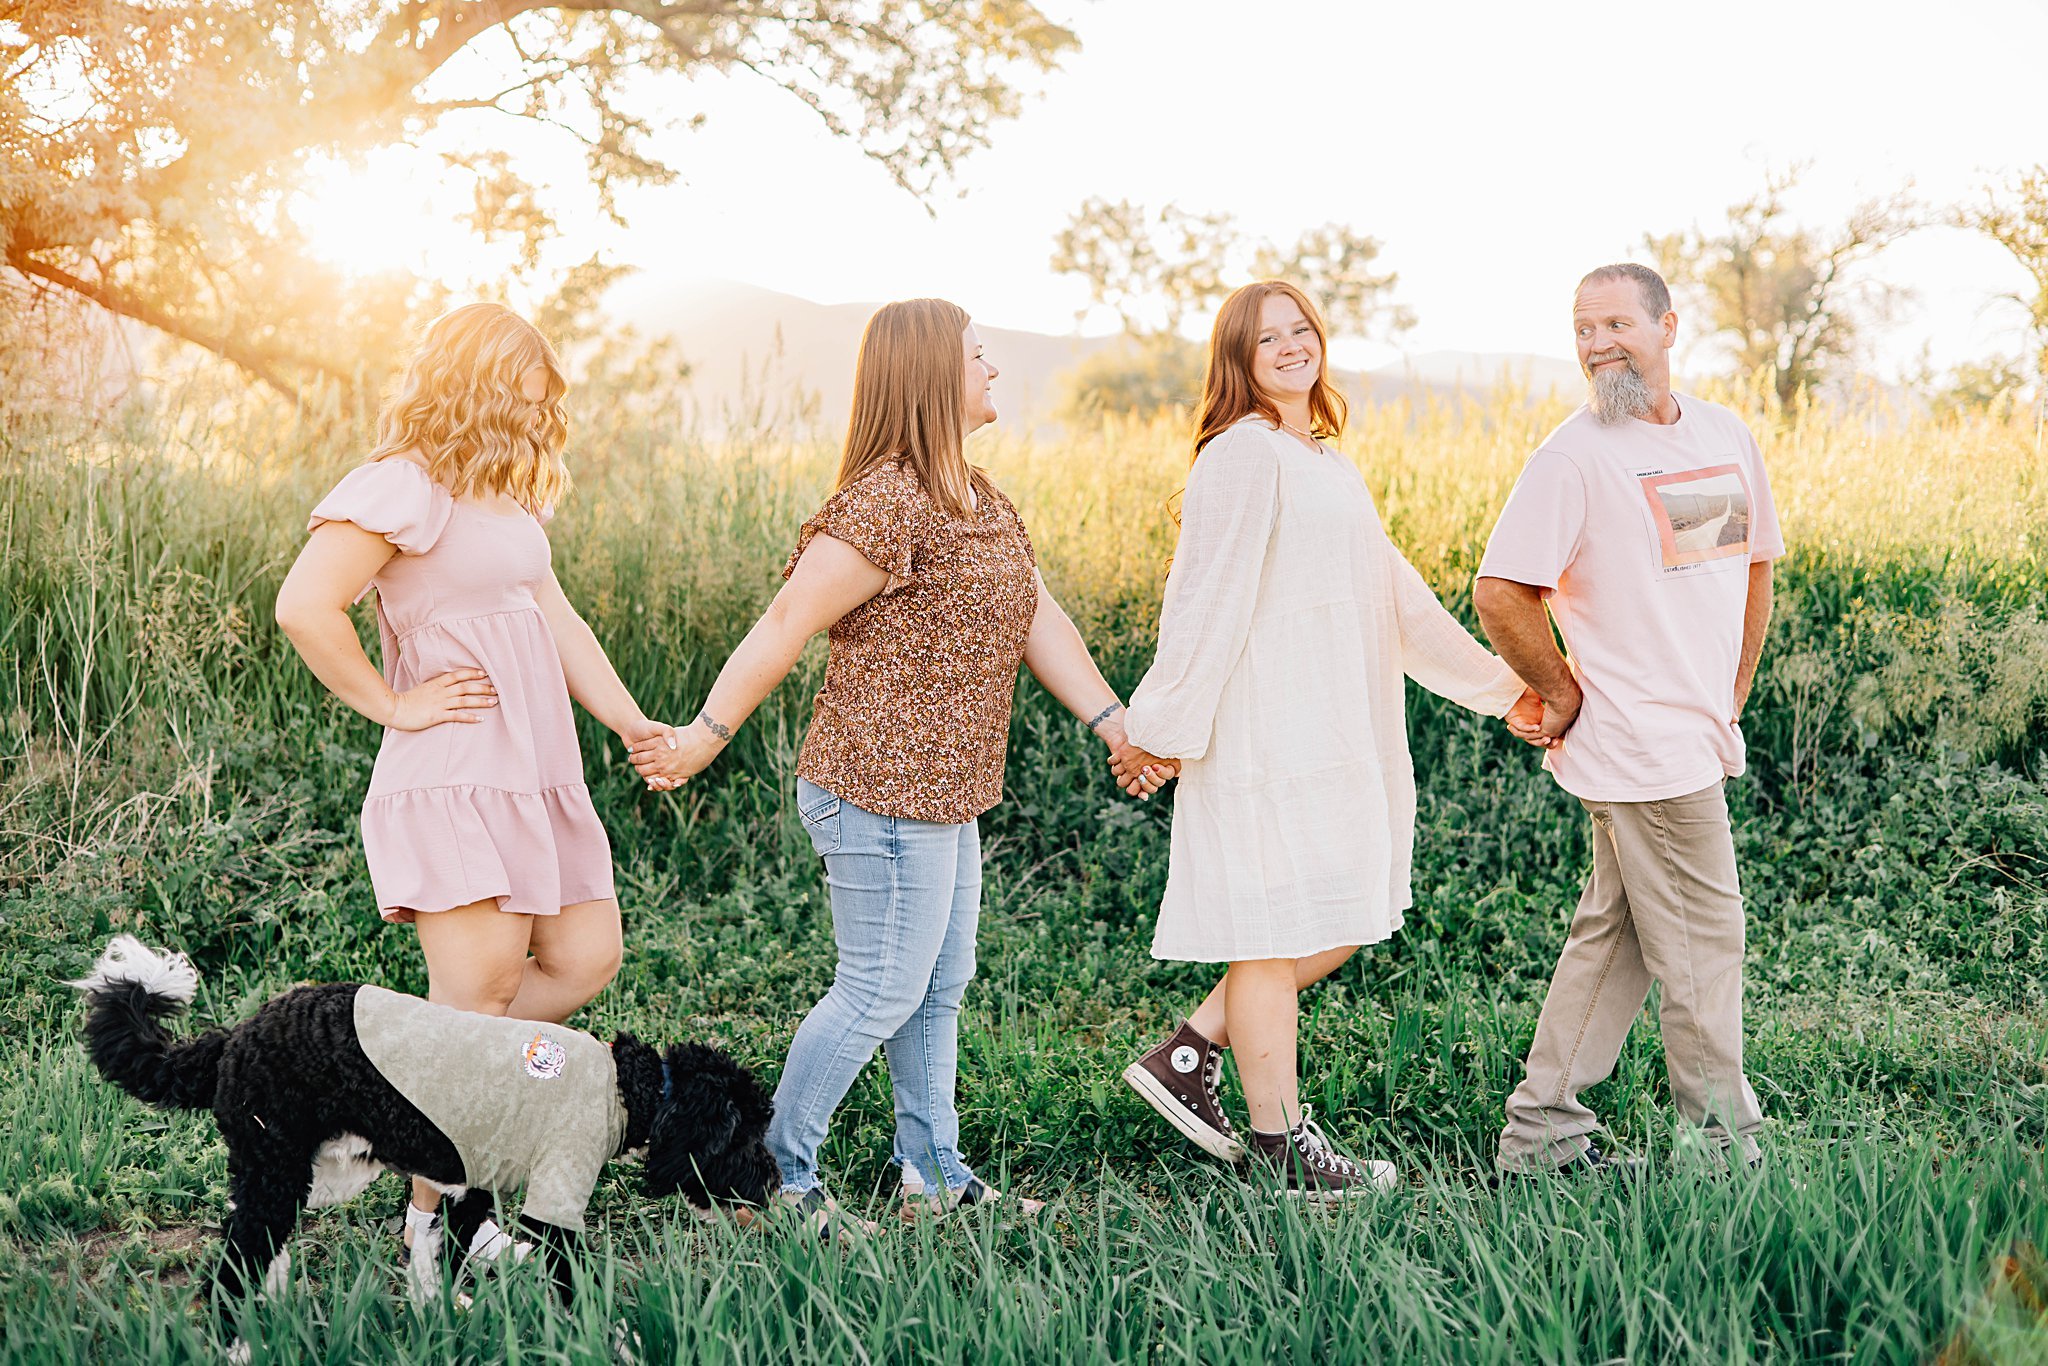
(885, 515)
(390, 498)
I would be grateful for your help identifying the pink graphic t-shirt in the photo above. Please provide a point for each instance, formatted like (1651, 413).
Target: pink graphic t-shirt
(1642, 536)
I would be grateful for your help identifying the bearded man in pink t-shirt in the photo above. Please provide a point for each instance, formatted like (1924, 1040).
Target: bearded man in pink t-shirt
(1645, 523)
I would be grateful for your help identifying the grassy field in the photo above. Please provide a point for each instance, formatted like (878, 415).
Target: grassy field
(168, 767)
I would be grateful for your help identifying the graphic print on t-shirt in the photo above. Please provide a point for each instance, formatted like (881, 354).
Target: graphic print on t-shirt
(1701, 516)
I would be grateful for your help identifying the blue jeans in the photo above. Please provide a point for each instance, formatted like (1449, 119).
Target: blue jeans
(906, 898)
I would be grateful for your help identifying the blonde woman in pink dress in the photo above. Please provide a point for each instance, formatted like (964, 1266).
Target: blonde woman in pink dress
(478, 829)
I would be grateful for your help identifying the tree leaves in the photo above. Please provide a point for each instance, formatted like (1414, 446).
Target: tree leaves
(1787, 301)
(1155, 271)
(148, 154)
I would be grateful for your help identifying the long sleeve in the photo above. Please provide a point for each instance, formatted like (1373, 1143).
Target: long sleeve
(1439, 653)
(1227, 518)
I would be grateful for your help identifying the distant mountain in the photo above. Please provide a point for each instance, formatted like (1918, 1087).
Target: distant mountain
(1452, 370)
(742, 340)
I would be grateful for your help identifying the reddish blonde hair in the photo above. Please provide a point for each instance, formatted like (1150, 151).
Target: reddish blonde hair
(460, 406)
(1228, 392)
(909, 401)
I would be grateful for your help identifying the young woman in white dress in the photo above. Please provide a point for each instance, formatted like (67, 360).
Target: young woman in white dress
(1288, 623)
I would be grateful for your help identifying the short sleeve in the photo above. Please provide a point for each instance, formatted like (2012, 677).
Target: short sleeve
(1016, 521)
(885, 515)
(1766, 540)
(1537, 536)
(390, 498)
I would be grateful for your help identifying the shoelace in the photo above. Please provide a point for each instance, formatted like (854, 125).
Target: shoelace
(1213, 1060)
(1308, 1138)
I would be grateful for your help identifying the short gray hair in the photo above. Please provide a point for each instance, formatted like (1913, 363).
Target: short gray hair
(1656, 295)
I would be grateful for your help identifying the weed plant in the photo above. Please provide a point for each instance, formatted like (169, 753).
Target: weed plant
(169, 767)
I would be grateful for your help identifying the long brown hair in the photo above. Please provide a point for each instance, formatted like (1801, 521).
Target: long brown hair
(909, 401)
(1228, 392)
(460, 406)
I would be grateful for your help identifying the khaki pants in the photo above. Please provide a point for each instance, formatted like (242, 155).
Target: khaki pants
(1663, 903)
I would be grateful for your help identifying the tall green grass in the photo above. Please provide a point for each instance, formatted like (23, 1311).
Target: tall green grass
(168, 766)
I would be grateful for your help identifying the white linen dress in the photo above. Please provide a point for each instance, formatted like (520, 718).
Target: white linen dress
(1289, 620)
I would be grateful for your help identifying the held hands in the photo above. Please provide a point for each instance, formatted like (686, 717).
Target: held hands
(1138, 773)
(458, 695)
(641, 730)
(1539, 723)
(667, 758)
(1141, 774)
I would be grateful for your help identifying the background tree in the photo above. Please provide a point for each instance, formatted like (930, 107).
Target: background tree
(1334, 265)
(1141, 375)
(1153, 270)
(2017, 219)
(1159, 271)
(1787, 302)
(1991, 387)
(148, 153)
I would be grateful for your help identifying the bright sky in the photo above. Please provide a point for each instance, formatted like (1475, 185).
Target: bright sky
(1497, 151)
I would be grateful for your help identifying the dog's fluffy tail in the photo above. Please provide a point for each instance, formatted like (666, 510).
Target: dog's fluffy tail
(131, 990)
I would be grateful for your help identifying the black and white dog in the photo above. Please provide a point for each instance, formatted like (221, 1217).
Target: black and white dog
(310, 1119)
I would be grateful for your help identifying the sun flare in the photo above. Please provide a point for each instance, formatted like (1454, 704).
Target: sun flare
(388, 213)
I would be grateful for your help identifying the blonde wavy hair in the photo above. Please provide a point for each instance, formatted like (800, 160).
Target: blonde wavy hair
(461, 408)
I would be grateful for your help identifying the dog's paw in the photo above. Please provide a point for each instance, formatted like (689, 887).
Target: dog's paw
(237, 1353)
(492, 1242)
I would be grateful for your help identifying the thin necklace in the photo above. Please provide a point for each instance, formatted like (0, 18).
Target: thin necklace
(1310, 436)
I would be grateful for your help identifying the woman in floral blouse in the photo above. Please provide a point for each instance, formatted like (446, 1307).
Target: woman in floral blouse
(925, 578)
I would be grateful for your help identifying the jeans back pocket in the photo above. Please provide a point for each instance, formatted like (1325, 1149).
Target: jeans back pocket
(819, 810)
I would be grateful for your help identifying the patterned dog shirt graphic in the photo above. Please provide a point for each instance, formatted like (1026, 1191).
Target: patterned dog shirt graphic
(544, 1057)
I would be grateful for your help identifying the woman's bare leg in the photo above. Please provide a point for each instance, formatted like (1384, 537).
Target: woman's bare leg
(476, 958)
(575, 956)
(1260, 996)
(1212, 1021)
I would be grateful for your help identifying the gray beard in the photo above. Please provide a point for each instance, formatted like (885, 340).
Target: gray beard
(1621, 395)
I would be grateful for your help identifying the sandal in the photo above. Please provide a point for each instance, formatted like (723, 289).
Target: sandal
(916, 1202)
(823, 1216)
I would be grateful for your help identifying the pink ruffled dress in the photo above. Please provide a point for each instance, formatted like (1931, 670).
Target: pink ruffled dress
(458, 813)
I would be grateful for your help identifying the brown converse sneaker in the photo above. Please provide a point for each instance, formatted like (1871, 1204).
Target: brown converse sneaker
(1178, 1079)
(1312, 1170)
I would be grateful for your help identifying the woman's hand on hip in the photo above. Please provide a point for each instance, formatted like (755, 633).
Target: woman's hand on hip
(458, 695)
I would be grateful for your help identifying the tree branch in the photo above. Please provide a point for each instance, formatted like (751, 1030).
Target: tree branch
(256, 363)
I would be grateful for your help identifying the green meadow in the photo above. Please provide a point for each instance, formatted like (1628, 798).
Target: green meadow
(169, 768)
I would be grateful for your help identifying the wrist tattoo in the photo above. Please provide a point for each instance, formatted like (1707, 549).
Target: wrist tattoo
(722, 732)
(1107, 712)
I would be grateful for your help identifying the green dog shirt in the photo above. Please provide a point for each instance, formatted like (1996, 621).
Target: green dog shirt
(525, 1103)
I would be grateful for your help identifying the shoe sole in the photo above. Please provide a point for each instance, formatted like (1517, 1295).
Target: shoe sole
(1384, 1177)
(1174, 1113)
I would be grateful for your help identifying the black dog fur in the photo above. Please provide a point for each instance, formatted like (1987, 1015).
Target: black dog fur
(292, 1077)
